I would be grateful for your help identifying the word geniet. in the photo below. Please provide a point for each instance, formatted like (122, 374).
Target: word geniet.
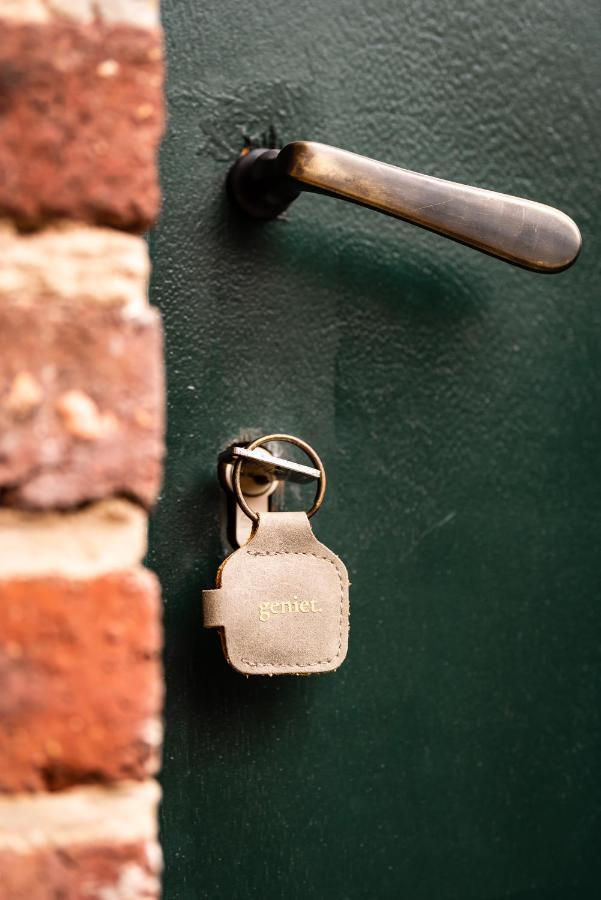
(267, 610)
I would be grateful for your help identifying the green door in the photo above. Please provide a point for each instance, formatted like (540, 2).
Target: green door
(456, 403)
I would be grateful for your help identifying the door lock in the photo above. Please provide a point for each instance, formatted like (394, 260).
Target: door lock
(529, 234)
(251, 475)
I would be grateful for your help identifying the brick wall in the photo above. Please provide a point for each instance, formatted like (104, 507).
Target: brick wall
(81, 437)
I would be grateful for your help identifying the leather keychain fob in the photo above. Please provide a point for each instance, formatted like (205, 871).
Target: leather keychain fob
(282, 600)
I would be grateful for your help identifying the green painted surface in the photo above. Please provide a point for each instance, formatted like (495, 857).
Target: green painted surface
(456, 403)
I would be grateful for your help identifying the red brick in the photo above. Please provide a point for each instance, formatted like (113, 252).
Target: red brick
(80, 680)
(81, 405)
(81, 872)
(80, 119)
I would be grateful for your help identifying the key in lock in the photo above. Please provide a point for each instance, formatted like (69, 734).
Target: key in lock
(281, 600)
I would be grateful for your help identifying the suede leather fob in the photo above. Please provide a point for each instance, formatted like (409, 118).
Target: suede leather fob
(281, 601)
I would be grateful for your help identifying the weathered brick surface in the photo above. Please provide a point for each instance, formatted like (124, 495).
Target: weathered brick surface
(87, 842)
(81, 444)
(143, 13)
(74, 264)
(81, 405)
(81, 872)
(81, 680)
(80, 119)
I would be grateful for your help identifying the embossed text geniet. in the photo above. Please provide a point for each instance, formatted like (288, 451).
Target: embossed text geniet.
(281, 607)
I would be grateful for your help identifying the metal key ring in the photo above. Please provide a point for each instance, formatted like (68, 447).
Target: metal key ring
(287, 439)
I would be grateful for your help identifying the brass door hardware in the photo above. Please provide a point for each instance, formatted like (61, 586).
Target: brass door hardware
(251, 475)
(528, 234)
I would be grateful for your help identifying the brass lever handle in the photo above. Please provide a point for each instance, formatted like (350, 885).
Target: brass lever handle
(519, 231)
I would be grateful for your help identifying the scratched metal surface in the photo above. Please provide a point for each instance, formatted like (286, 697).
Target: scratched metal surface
(456, 404)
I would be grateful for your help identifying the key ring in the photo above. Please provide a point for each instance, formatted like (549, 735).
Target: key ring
(287, 439)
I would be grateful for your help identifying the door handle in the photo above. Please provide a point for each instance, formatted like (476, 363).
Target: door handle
(529, 234)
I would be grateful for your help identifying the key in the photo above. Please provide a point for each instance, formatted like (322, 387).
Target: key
(281, 602)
